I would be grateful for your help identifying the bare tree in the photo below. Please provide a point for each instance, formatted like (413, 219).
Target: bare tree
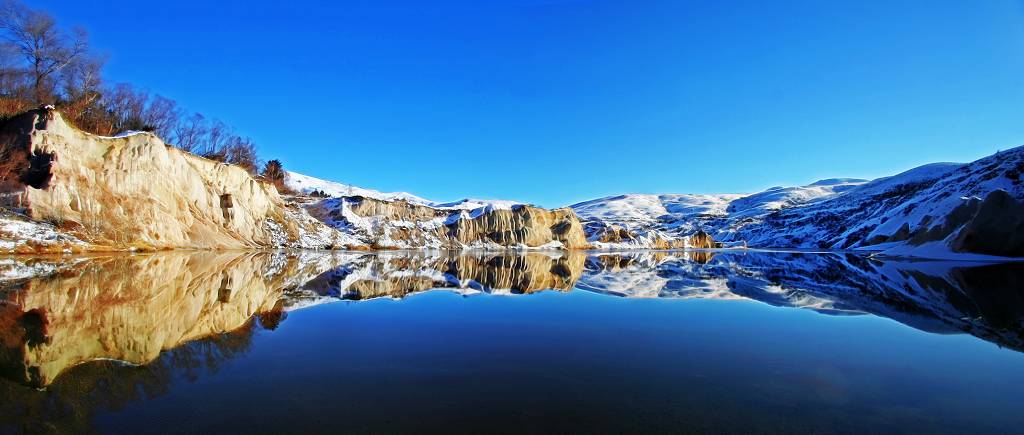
(42, 63)
(241, 151)
(82, 85)
(12, 75)
(83, 79)
(43, 47)
(127, 106)
(190, 132)
(216, 137)
(161, 115)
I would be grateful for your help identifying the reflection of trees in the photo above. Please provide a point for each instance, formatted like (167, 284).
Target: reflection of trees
(71, 402)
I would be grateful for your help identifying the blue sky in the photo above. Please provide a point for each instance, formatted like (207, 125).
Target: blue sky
(554, 102)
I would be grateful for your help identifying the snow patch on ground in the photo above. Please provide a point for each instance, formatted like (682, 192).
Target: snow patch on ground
(17, 231)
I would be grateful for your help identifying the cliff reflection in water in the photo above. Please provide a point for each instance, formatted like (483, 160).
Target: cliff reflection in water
(176, 314)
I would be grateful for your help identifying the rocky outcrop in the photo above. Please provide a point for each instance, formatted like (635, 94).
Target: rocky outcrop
(399, 224)
(612, 236)
(702, 240)
(134, 191)
(521, 225)
(997, 228)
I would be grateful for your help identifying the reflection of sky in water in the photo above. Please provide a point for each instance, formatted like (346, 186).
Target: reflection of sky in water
(580, 361)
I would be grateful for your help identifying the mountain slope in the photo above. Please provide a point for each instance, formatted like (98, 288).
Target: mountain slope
(309, 185)
(940, 210)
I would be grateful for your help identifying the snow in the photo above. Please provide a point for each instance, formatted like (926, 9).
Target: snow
(472, 204)
(633, 211)
(837, 213)
(776, 198)
(16, 231)
(124, 134)
(307, 184)
(11, 269)
(128, 133)
(649, 208)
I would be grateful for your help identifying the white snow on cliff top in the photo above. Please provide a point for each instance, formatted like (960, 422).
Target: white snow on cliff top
(306, 184)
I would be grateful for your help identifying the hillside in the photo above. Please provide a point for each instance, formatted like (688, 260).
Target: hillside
(941, 210)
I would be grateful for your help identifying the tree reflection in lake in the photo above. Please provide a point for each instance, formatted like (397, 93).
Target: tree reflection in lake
(140, 323)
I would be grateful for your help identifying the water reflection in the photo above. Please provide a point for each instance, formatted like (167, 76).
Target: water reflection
(147, 320)
(984, 300)
(74, 399)
(130, 308)
(398, 274)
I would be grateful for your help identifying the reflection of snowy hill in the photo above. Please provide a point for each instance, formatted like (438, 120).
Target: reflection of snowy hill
(935, 296)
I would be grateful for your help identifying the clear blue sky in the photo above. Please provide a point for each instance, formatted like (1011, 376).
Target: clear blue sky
(553, 102)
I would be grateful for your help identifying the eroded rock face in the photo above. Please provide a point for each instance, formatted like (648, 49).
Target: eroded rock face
(400, 224)
(610, 236)
(522, 225)
(393, 210)
(997, 228)
(136, 191)
(702, 240)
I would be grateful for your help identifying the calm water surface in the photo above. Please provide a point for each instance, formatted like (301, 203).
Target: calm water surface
(400, 342)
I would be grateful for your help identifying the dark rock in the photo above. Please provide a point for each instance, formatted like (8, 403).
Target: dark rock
(996, 229)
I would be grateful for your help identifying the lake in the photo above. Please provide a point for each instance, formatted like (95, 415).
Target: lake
(539, 342)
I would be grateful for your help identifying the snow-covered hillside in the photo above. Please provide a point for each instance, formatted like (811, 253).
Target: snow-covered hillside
(940, 210)
(649, 221)
(401, 220)
(777, 198)
(649, 217)
(307, 184)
